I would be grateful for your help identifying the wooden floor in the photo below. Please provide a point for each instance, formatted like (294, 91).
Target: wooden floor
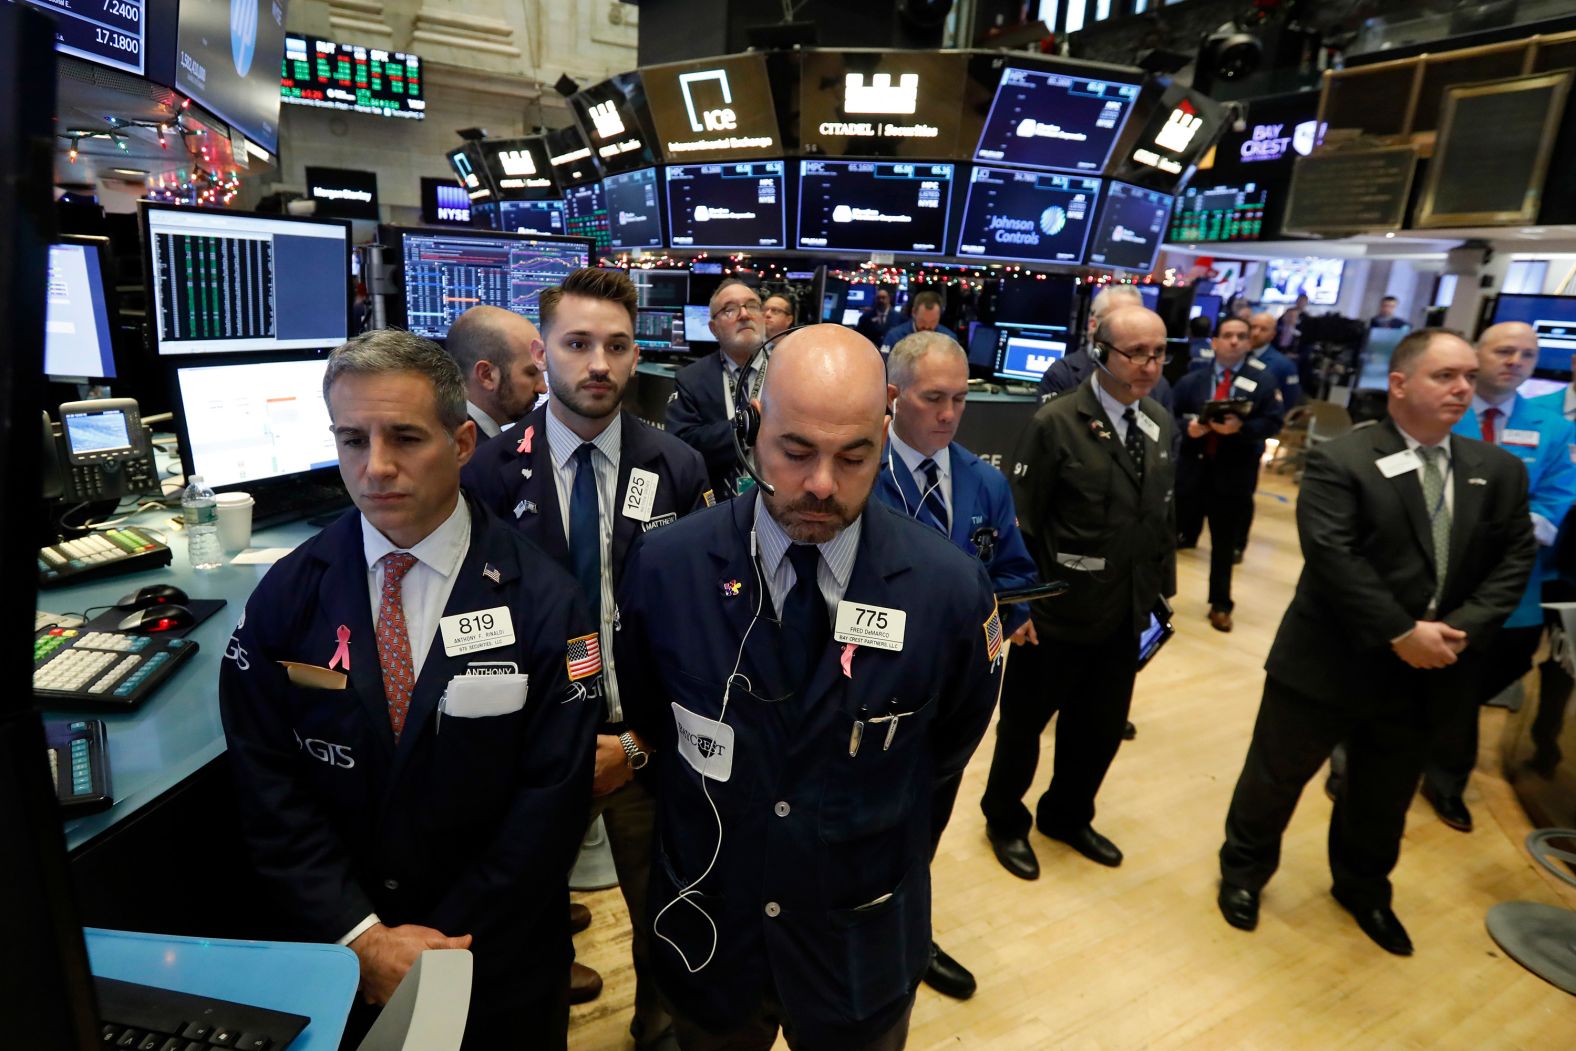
(1138, 957)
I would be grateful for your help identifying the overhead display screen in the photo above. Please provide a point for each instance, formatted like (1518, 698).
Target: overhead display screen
(109, 32)
(531, 217)
(1053, 120)
(343, 193)
(467, 164)
(634, 215)
(585, 214)
(613, 117)
(726, 205)
(227, 54)
(1219, 213)
(874, 206)
(715, 110)
(1172, 128)
(570, 157)
(1133, 222)
(351, 77)
(519, 168)
(880, 103)
(1035, 216)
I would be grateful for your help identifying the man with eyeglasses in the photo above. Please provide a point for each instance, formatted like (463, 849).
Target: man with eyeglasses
(700, 409)
(1092, 484)
(1218, 468)
(778, 314)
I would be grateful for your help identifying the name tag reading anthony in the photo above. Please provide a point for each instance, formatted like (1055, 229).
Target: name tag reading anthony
(481, 630)
(875, 626)
(641, 496)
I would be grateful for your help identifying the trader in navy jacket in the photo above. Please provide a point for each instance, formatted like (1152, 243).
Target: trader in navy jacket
(803, 779)
(1071, 370)
(642, 479)
(412, 759)
(924, 315)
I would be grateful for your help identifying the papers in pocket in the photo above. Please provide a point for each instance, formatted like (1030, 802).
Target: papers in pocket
(313, 677)
(482, 696)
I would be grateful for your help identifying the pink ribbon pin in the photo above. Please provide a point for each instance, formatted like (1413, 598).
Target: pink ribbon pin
(848, 659)
(342, 654)
(525, 440)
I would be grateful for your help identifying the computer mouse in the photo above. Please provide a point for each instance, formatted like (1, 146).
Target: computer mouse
(156, 619)
(153, 595)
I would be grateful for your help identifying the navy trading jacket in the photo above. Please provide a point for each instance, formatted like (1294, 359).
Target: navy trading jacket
(981, 499)
(697, 415)
(820, 890)
(466, 824)
(512, 475)
(1234, 464)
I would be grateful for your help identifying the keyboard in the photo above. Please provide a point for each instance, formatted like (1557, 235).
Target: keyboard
(114, 551)
(79, 765)
(152, 1019)
(102, 668)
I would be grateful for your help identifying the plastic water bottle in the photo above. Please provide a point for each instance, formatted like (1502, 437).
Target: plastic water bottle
(200, 513)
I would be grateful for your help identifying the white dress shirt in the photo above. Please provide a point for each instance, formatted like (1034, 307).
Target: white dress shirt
(1446, 466)
(1114, 410)
(835, 568)
(911, 458)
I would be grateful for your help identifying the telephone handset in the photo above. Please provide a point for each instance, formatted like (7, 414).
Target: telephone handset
(103, 451)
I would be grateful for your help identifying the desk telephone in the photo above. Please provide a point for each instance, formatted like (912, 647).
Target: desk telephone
(100, 451)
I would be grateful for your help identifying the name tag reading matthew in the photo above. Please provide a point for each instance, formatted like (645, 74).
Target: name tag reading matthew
(1150, 428)
(641, 497)
(1398, 463)
(875, 626)
(481, 630)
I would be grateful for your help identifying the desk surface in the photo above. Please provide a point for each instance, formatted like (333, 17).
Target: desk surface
(177, 732)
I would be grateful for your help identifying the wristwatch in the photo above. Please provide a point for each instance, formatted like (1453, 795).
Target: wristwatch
(633, 754)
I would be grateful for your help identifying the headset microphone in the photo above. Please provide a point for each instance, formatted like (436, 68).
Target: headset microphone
(1097, 354)
(746, 417)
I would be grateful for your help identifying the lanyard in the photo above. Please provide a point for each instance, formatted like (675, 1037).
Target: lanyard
(729, 381)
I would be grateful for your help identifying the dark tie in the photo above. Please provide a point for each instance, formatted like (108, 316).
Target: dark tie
(1489, 417)
(806, 625)
(1135, 443)
(932, 505)
(585, 531)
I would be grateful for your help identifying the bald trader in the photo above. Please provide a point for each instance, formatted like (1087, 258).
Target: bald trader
(502, 382)
(832, 648)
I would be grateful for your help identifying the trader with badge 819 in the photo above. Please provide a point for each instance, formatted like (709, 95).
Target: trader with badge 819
(839, 663)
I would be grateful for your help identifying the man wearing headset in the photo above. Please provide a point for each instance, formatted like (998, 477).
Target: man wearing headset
(814, 670)
(700, 409)
(1093, 484)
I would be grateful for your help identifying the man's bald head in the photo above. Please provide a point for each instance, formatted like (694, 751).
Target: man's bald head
(1261, 329)
(1507, 354)
(1131, 334)
(493, 349)
(823, 425)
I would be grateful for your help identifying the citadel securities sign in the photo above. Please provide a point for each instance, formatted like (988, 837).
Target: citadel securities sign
(880, 103)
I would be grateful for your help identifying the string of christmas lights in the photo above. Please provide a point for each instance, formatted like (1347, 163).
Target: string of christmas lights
(202, 184)
(934, 274)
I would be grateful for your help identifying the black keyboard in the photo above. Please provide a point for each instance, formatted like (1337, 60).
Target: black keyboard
(79, 763)
(106, 669)
(151, 1019)
(124, 550)
(277, 505)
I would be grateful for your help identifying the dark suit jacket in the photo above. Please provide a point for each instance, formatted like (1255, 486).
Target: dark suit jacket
(1068, 372)
(1078, 495)
(1234, 466)
(1368, 565)
(697, 415)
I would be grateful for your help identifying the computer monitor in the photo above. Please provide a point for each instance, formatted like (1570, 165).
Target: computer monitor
(77, 330)
(1023, 301)
(667, 289)
(1373, 371)
(532, 217)
(1318, 279)
(1220, 212)
(634, 213)
(585, 215)
(1133, 223)
(738, 205)
(1047, 118)
(223, 282)
(444, 273)
(1024, 357)
(859, 295)
(874, 206)
(697, 324)
(253, 422)
(1037, 217)
(660, 331)
(1205, 304)
(982, 347)
(1553, 318)
(1150, 295)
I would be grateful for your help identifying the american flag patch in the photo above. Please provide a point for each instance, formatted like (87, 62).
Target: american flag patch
(584, 656)
(993, 634)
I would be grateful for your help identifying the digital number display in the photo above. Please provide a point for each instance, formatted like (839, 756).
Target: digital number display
(108, 32)
(351, 77)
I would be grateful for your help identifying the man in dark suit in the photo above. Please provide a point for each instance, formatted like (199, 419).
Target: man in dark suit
(1416, 546)
(924, 315)
(583, 479)
(874, 321)
(1218, 468)
(1092, 484)
(815, 669)
(700, 409)
(1070, 371)
(408, 778)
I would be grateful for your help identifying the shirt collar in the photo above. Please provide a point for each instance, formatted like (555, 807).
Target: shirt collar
(838, 553)
(1221, 369)
(1413, 443)
(484, 423)
(1114, 409)
(562, 442)
(1481, 404)
(912, 457)
(440, 549)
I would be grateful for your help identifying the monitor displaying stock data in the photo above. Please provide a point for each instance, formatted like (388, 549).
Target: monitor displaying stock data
(1222, 212)
(874, 206)
(532, 217)
(585, 214)
(76, 327)
(446, 272)
(634, 213)
(738, 204)
(1037, 217)
(1133, 223)
(254, 421)
(351, 77)
(1048, 119)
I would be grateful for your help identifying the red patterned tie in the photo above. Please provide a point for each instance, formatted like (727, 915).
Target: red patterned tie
(1222, 392)
(399, 674)
(1490, 415)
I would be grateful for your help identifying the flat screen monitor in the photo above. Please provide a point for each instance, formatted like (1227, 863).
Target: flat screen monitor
(1220, 212)
(874, 206)
(697, 324)
(659, 331)
(229, 53)
(253, 421)
(472, 172)
(1048, 119)
(570, 157)
(519, 168)
(77, 324)
(136, 36)
(1553, 318)
(879, 103)
(343, 193)
(1205, 304)
(1032, 301)
(616, 123)
(851, 316)
(661, 289)
(860, 295)
(1037, 217)
(1024, 357)
(351, 77)
(585, 215)
(718, 109)
(733, 205)
(221, 281)
(1132, 225)
(532, 217)
(1318, 279)
(1150, 294)
(446, 272)
(982, 346)
(444, 202)
(634, 214)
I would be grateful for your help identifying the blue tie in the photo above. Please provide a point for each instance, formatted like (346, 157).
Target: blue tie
(806, 625)
(932, 505)
(585, 531)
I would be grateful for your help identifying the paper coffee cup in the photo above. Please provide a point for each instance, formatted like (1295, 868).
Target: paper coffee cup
(235, 520)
